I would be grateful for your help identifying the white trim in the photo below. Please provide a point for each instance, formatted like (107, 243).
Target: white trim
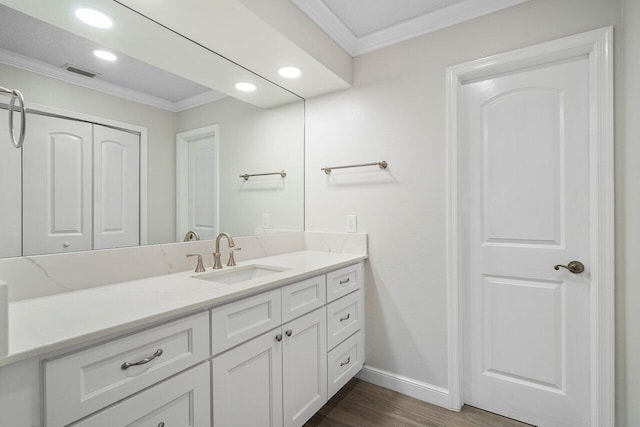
(466, 10)
(33, 65)
(598, 46)
(420, 390)
(144, 151)
(198, 100)
(182, 185)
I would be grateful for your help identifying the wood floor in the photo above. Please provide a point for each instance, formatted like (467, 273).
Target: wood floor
(363, 404)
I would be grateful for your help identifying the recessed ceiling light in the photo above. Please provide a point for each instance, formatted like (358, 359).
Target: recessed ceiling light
(290, 72)
(93, 17)
(245, 86)
(106, 55)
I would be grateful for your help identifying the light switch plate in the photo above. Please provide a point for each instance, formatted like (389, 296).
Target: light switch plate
(352, 223)
(266, 220)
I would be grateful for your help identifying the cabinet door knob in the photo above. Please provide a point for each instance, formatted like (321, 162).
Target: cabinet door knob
(279, 337)
(161, 424)
(289, 332)
(66, 244)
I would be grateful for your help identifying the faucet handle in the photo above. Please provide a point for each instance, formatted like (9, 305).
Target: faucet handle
(200, 266)
(232, 261)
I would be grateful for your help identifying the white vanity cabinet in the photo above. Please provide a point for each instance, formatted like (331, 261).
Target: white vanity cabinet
(182, 400)
(304, 367)
(247, 383)
(278, 378)
(268, 359)
(83, 382)
(284, 376)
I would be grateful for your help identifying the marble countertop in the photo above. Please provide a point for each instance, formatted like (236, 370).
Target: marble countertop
(42, 325)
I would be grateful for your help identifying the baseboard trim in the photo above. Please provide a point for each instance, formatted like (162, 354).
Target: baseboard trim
(420, 390)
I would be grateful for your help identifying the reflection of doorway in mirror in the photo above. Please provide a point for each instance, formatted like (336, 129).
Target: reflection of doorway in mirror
(197, 182)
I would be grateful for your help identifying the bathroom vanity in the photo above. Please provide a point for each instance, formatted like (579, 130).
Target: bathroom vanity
(267, 342)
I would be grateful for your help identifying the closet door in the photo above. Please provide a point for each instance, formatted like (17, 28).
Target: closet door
(116, 188)
(56, 185)
(10, 191)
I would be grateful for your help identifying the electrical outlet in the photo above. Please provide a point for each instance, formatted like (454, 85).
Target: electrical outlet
(266, 220)
(352, 223)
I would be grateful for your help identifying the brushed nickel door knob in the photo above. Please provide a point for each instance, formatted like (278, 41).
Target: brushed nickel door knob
(576, 267)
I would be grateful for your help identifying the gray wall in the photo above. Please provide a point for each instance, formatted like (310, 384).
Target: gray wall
(396, 112)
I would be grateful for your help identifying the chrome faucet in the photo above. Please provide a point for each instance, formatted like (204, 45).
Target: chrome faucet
(217, 263)
(191, 235)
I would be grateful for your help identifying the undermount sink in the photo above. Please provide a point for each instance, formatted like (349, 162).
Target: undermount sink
(235, 275)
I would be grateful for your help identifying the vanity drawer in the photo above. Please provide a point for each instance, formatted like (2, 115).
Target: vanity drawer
(179, 401)
(344, 281)
(234, 323)
(344, 362)
(344, 317)
(303, 297)
(84, 382)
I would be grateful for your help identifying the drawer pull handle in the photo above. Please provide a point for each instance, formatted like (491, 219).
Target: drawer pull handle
(127, 365)
(343, 318)
(345, 281)
(289, 332)
(346, 362)
(279, 337)
(161, 424)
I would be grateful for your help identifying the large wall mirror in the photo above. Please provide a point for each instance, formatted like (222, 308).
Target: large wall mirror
(136, 135)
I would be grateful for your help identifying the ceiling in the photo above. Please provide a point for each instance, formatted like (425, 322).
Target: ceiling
(361, 26)
(46, 49)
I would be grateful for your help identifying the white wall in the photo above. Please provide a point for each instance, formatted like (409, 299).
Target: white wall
(396, 112)
(628, 218)
(255, 140)
(161, 124)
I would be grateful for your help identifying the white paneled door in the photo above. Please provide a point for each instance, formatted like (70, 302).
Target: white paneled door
(116, 188)
(10, 192)
(57, 162)
(526, 343)
(197, 182)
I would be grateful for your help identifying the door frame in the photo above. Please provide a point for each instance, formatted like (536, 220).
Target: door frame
(597, 46)
(182, 184)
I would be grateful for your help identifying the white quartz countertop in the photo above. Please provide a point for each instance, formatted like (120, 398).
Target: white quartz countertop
(42, 325)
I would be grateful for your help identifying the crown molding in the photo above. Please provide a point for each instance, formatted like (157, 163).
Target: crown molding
(466, 10)
(198, 100)
(33, 65)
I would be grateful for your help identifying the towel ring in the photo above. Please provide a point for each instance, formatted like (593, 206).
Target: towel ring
(15, 94)
(17, 142)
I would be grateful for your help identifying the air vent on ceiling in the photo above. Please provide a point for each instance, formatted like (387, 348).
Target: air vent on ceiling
(82, 72)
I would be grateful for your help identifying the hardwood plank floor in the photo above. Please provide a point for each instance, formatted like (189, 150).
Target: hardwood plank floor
(361, 404)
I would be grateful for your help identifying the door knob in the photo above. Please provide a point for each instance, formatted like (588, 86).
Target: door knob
(576, 267)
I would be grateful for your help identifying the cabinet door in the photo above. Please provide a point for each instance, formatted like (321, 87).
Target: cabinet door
(57, 185)
(304, 367)
(10, 191)
(180, 401)
(116, 188)
(247, 383)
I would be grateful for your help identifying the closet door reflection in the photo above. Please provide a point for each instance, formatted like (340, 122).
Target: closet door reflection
(56, 186)
(10, 193)
(116, 188)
